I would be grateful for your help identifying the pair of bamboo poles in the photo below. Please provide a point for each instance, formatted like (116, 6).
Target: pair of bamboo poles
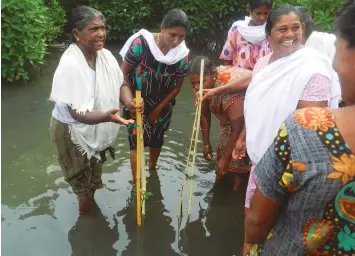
(189, 168)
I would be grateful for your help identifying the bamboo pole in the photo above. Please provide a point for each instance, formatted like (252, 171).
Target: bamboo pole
(200, 93)
(138, 159)
(193, 141)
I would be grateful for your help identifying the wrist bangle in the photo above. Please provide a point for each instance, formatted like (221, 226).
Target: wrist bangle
(208, 146)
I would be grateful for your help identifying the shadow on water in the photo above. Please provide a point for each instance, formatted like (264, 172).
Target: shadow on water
(39, 211)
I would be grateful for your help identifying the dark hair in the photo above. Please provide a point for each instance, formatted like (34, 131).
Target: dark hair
(195, 66)
(253, 4)
(175, 18)
(276, 13)
(306, 20)
(345, 23)
(81, 16)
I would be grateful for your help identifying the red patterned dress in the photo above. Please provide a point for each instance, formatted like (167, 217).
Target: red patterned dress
(219, 105)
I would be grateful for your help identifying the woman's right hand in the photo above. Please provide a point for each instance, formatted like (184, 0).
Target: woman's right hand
(132, 107)
(240, 150)
(207, 153)
(112, 116)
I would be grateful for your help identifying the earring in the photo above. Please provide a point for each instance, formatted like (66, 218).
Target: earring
(78, 39)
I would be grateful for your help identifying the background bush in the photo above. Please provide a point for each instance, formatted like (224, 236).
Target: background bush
(27, 26)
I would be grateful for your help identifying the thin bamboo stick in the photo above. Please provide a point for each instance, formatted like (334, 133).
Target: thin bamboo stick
(138, 159)
(197, 132)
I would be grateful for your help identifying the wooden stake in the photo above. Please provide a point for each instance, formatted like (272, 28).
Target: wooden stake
(138, 159)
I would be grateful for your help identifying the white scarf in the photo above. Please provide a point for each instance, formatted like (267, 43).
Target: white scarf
(324, 43)
(73, 85)
(274, 93)
(253, 34)
(172, 57)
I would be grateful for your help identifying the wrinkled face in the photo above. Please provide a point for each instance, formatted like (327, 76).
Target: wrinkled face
(172, 37)
(195, 81)
(286, 35)
(93, 36)
(344, 65)
(259, 15)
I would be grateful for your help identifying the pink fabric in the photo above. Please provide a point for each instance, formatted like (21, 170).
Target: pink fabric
(241, 52)
(251, 188)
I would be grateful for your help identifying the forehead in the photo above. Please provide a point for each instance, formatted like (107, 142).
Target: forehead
(97, 21)
(177, 30)
(262, 8)
(287, 19)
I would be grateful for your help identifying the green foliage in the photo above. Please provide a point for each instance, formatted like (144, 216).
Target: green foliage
(323, 12)
(123, 17)
(209, 21)
(26, 28)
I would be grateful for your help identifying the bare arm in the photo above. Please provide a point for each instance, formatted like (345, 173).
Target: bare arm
(261, 217)
(126, 93)
(228, 62)
(311, 104)
(205, 123)
(90, 117)
(237, 85)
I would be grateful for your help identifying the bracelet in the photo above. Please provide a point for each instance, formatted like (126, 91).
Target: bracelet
(208, 146)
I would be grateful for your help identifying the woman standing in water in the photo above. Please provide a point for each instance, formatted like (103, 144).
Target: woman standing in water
(228, 108)
(156, 64)
(304, 200)
(86, 94)
(246, 42)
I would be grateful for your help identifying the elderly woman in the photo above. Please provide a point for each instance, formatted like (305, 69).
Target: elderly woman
(155, 64)
(304, 200)
(246, 42)
(228, 109)
(86, 94)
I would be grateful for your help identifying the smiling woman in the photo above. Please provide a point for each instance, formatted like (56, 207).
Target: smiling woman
(290, 78)
(86, 94)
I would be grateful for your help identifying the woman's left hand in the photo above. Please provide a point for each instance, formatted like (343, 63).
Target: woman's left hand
(154, 115)
(246, 248)
(222, 166)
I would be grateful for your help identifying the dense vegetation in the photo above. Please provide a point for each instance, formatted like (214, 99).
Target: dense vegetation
(29, 26)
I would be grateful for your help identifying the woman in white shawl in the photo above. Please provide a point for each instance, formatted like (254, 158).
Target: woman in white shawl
(86, 92)
(246, 42)
(291, 77)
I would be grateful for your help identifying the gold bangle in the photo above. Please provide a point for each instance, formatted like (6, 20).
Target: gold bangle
(208, 146)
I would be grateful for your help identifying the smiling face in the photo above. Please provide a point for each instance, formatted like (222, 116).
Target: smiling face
(259, 15)
(172, 37)
(93, 36)
(344, 65)
(286, 34)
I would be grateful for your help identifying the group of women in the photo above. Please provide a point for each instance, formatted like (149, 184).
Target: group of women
(279, 78)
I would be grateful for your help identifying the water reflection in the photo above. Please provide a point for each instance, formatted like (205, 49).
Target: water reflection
(157, 232)
(91, 235)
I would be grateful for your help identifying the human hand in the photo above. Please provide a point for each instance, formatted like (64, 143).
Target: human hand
(113, 117)
(240, 149)
(154, 115)
(222, 166)
(133, 108)
(207, 153)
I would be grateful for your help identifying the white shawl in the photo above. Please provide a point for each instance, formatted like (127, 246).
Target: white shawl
(324, 43)
(274, 94)
(253, 34)
(73, 85)
(172, 57)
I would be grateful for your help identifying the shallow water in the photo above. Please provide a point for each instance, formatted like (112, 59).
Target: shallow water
(40, 212)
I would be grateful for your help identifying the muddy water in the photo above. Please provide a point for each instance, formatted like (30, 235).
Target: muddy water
(40, 212)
